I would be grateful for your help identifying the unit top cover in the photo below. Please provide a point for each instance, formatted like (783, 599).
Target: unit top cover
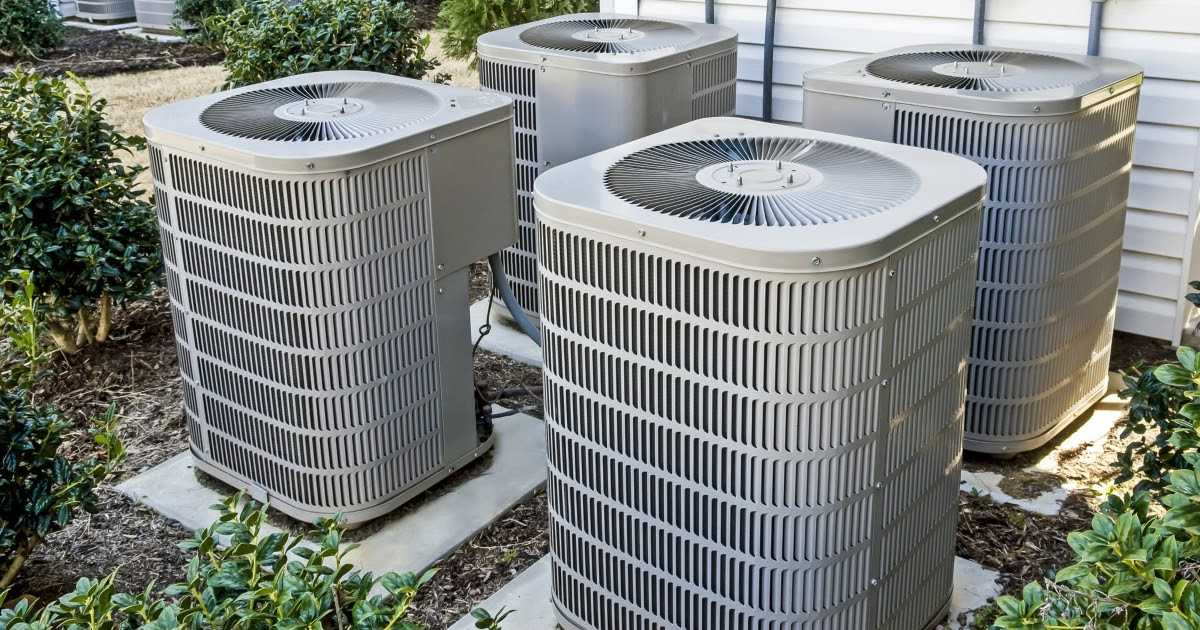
(983, 79)
(323, 121)
(607, 42)
(762, 196)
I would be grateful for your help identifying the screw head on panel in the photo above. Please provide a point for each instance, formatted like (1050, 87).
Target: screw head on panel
(441, 290)
(1037, 109)
(891, 273)
(878, 484)
(886, 106)
(310, 165)
(816, 260)
(937, 219)
(441, 267)
(885, 382)
(641, 232)
(202, 147)
(886, 94)
(433, 136)
(874, 582)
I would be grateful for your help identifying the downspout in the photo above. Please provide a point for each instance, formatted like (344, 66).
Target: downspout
(1093, 46)
(710, 11)
(768, 61)
(980, 11)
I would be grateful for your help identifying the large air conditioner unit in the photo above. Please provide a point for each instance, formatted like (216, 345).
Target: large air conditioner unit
(91, 10)
(1055, 134)
(156, 15)
(317, 231)
(755, 342)
(587, 82)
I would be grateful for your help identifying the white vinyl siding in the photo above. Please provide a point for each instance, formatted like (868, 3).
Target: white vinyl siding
(1161, 249)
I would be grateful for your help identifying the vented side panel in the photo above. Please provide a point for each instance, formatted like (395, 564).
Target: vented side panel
(714, 86)
(753, 452)
(713, 92)
(305, 319)
(1049, 259)
(520, 84)
(155, 14)
(105, 9)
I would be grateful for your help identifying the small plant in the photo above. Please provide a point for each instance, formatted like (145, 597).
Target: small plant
(1151, 411)
(40, 490)
(196, 13)
(1134, 568)
(265, 40)
(70, 211)
(28, 28)
(463, 21)
(242, 578)
(487, 621)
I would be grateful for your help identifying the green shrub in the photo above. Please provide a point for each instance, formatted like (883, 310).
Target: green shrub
(28, 28)
(1134, 568)
(1151, 411)
(241, 578)
(266, 39)
(40, 490)
(196, 13)
(463, 21)
(70, 211)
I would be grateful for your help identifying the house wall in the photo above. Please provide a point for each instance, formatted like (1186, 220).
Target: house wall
(1161, 248)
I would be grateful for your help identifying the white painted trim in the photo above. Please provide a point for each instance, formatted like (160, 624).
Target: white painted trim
(1185, 314)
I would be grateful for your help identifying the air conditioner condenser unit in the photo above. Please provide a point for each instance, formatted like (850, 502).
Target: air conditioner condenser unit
(1055, 134)
(317, 231)
(104, 10)
(586, 82)
(755, 342)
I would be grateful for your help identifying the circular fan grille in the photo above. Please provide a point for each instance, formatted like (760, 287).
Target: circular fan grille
(834, 182)
(608, 35)
(317, 112)
(983, 70)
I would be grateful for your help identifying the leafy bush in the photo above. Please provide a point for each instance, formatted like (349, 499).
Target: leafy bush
(241, 578)
(28, 27)
(1134, 569)
(1151, 412)
(463, 21)
(40, 490)
(196, 13)
(267, 39)
(70, 211)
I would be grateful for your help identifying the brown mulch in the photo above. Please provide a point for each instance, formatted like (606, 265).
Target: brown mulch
(1020, 545)
(101, 53)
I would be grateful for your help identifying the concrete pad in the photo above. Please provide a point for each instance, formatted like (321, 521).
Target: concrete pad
(974, 586)
(99, 26)
(164, 38)
(505, 338)
(529, 595)
(419, 539)
(988, 483)
(411, 543)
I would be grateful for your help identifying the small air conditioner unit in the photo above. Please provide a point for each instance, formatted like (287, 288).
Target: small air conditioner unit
(91, 10)
(317, 231)
(755, 342)
(1055, 134)
(64, 8)
(587, 82)
(155, 15)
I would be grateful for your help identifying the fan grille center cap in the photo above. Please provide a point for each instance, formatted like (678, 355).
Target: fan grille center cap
(757, 176)
(608, 34)
(985, 69)
(320, 108)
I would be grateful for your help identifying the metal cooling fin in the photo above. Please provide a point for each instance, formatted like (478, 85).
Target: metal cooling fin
(762, 181)
(981, 70)
(319, 112)
(608, 35)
